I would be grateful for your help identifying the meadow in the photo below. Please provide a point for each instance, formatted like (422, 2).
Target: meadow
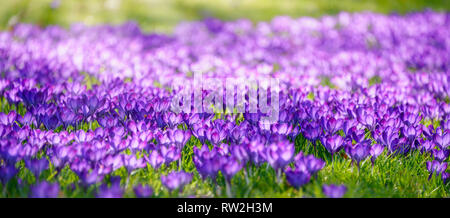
(362, 99)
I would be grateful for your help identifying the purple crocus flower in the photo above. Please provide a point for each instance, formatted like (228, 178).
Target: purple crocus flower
(113, 191)
(359, 152)
(308, 163)
(230, 167)
(280, 154)
(436, 167)
(172, 119)
(26, 119)
(358, 135)
(445, 177)
(331, 125)
(208, 163)
(93, 103)
(312, 131)
(427, 146)
(281, 128)
(213, 25)
(349, 126)
(314, 164)
(179, 137)
(36, 166)
(256, 150)
(390, 139)
(297, 178)
(199, 131)
(33, 97)
(170, 153)
(411, 119)
(237, 134)
(334, 191)
(155, 159)
(440, 155)
(162, 138)
(131, 162)
(443, 141)
(365, 117)
(375, 151)
(410, 132)
(44, 190)
(50, 121)
(215, 136)
(90, 178)
(333, 143)
(240, 152)
(8, 119)
(143, 191)
(176, 180)
(7, 172)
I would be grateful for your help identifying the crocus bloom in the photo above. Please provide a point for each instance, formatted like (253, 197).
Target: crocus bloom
(334, 191)
(44, 190)
(155, 159)
(359, 152)
(443, 141)
(445, 177)
(7, 119)
(297, 178)
(179, 137)
(208, 163)
(240, 153)
(230, 167)
(308, 163)
(90, 178)
(440, 155)
(7, 172)
(280, 154)
(427, 146)
(375, 151)
(331, 125)
(170, 153)
(436, 167)
(176, 180)
(143, 191)
(333, 143)
(113, 191)
(257, 152)
(37, 166)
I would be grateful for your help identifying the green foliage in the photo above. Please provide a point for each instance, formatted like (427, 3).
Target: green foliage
(163, 15)
(374, 80)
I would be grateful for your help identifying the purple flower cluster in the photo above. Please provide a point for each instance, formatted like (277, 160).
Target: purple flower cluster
(305, 167)
(326, 68)
(176, 180)
(334, 191)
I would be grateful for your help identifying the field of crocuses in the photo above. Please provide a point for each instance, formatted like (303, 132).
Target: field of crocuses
(363, 109)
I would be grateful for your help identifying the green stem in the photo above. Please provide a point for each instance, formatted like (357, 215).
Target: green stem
(246, 177)
(279, 180)
(228, 187)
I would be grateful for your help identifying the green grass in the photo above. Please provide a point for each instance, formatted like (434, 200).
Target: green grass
(163, 15)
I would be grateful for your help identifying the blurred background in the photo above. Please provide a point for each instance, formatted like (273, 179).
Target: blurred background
(163, 15)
